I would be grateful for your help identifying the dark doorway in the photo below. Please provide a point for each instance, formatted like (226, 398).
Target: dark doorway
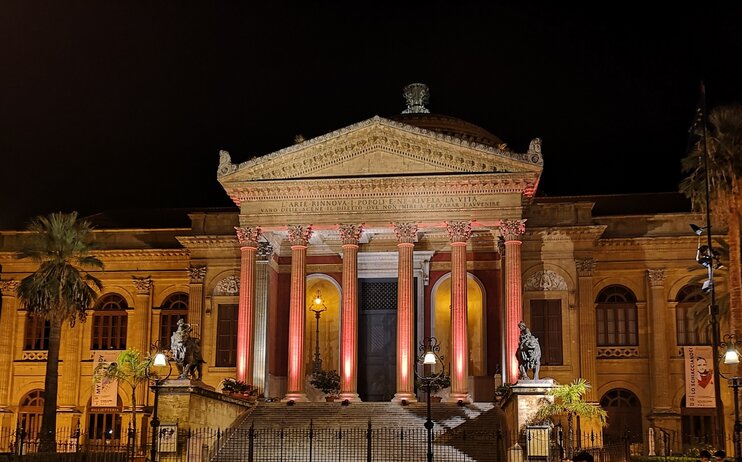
(377, 339)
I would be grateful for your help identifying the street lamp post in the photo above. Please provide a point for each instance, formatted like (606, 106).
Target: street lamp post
(317, 308)
(731, 357)
(430, 357)
(160, 360)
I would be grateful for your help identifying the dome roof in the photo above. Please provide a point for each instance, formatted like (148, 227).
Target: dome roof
(448, 125)
(417, 114)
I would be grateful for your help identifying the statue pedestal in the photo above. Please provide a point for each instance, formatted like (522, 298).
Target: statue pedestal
(193, 404)
(524, 400)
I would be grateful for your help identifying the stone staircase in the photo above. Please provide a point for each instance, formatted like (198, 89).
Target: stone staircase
(331, 431)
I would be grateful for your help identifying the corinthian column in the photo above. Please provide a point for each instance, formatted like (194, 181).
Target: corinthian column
(511, 231)
(406, 236)
(140, 330)
(196, 276)
(349, 235)
(459, 233)
(299, 238)
(248, 239)
(586, 335)
(658, 363)
(7, 324)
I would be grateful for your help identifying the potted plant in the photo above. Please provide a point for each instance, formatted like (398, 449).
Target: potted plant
(328, 382)
(234, 387)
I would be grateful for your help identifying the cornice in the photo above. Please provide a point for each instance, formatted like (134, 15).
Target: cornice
(321, 160)
(138, 253)
(374, 187)
(213, 241)
(561, 233)
(670, 242)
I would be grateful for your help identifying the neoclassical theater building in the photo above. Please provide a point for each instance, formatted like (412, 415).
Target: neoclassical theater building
(404, 226)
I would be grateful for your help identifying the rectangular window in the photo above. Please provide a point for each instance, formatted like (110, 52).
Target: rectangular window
(37, 333)
(546, 325)
(226, 336)
(617, 324)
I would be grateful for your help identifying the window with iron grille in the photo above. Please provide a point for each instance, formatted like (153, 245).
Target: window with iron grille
(36, 335)
(174, 308)
(226, 336)
(546, 325)
(616, 317)
(30, 412)
(104, 424)
(110, 323)
(686, 327)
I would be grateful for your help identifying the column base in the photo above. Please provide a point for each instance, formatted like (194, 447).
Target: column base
(351, 397)
(408, 397)
(295, 397)
(454, 398)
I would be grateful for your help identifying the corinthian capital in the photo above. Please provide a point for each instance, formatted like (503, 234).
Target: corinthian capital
(9, 287)
(299, 234)
(657, 277)
(458, 231)
(511, 230)
(349, 234)
(247, 236)
(143, 285)
(585, 266)
(197, 273)
(406, 232)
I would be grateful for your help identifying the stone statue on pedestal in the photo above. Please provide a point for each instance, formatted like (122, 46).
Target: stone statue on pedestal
(528, 354)
(186, 352)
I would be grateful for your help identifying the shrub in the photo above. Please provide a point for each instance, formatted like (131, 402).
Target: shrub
(326, 381)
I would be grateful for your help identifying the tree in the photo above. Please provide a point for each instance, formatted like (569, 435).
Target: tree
(568, 401)
(59, 290)
(722, 141)
(130, 368)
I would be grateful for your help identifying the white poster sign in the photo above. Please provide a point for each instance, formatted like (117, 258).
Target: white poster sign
(699, 377)
(105, 394)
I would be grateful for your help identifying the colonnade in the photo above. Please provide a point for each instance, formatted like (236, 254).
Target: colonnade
(459, 233)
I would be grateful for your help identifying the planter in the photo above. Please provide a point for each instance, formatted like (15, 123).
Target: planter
(435, 399)
(330, 399)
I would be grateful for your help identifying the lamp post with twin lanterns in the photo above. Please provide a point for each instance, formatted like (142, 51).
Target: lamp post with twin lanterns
(430, 358)
(160, 359)
(731, 357)
(317, 307)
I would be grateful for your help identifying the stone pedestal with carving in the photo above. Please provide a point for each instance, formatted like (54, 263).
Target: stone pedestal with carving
(524, 400)
(193, 404)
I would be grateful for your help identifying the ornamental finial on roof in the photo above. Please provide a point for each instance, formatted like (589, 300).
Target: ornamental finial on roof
(417, 96)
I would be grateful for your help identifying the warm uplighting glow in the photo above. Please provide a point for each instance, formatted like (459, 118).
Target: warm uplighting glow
(429, 358)
(160, 359)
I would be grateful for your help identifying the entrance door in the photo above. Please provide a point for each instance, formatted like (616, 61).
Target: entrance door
(377, 339)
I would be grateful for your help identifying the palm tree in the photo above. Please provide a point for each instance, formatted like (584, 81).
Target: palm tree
(60, 290)
(568, 401)
(130, 368)
(722, 141)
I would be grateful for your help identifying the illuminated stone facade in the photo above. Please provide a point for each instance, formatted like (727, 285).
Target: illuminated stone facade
(408, 227)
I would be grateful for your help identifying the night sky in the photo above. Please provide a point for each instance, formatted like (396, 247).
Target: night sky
(107, 105)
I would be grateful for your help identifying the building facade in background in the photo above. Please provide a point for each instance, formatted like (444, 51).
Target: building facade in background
(405, 227)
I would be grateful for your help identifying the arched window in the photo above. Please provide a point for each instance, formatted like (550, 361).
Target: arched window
(175, 307)
(36, 334)
(109, 323)
(624, 415)
(685, 323)
(616, 317)
(30, 412)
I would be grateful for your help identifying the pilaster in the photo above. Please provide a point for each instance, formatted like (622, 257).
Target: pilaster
(196, 277)
(658, 364)
(586, 312)
(7, 323)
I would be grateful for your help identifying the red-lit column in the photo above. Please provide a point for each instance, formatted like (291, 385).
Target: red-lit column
(459, 233)
(349, 235)
(299, 239)
(511, 231)
(406, 237)
(248, 239)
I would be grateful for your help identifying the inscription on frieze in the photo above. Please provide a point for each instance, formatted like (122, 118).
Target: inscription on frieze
(377, 204)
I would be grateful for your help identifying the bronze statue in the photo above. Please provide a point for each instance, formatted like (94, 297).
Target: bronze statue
(528, 354)
(186, 352)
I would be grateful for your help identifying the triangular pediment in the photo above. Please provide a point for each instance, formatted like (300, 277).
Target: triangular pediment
(379, 147)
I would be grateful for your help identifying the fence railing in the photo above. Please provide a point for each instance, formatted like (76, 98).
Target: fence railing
(377, 444)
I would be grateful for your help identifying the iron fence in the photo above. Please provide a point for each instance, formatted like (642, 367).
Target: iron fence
(311, 444)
